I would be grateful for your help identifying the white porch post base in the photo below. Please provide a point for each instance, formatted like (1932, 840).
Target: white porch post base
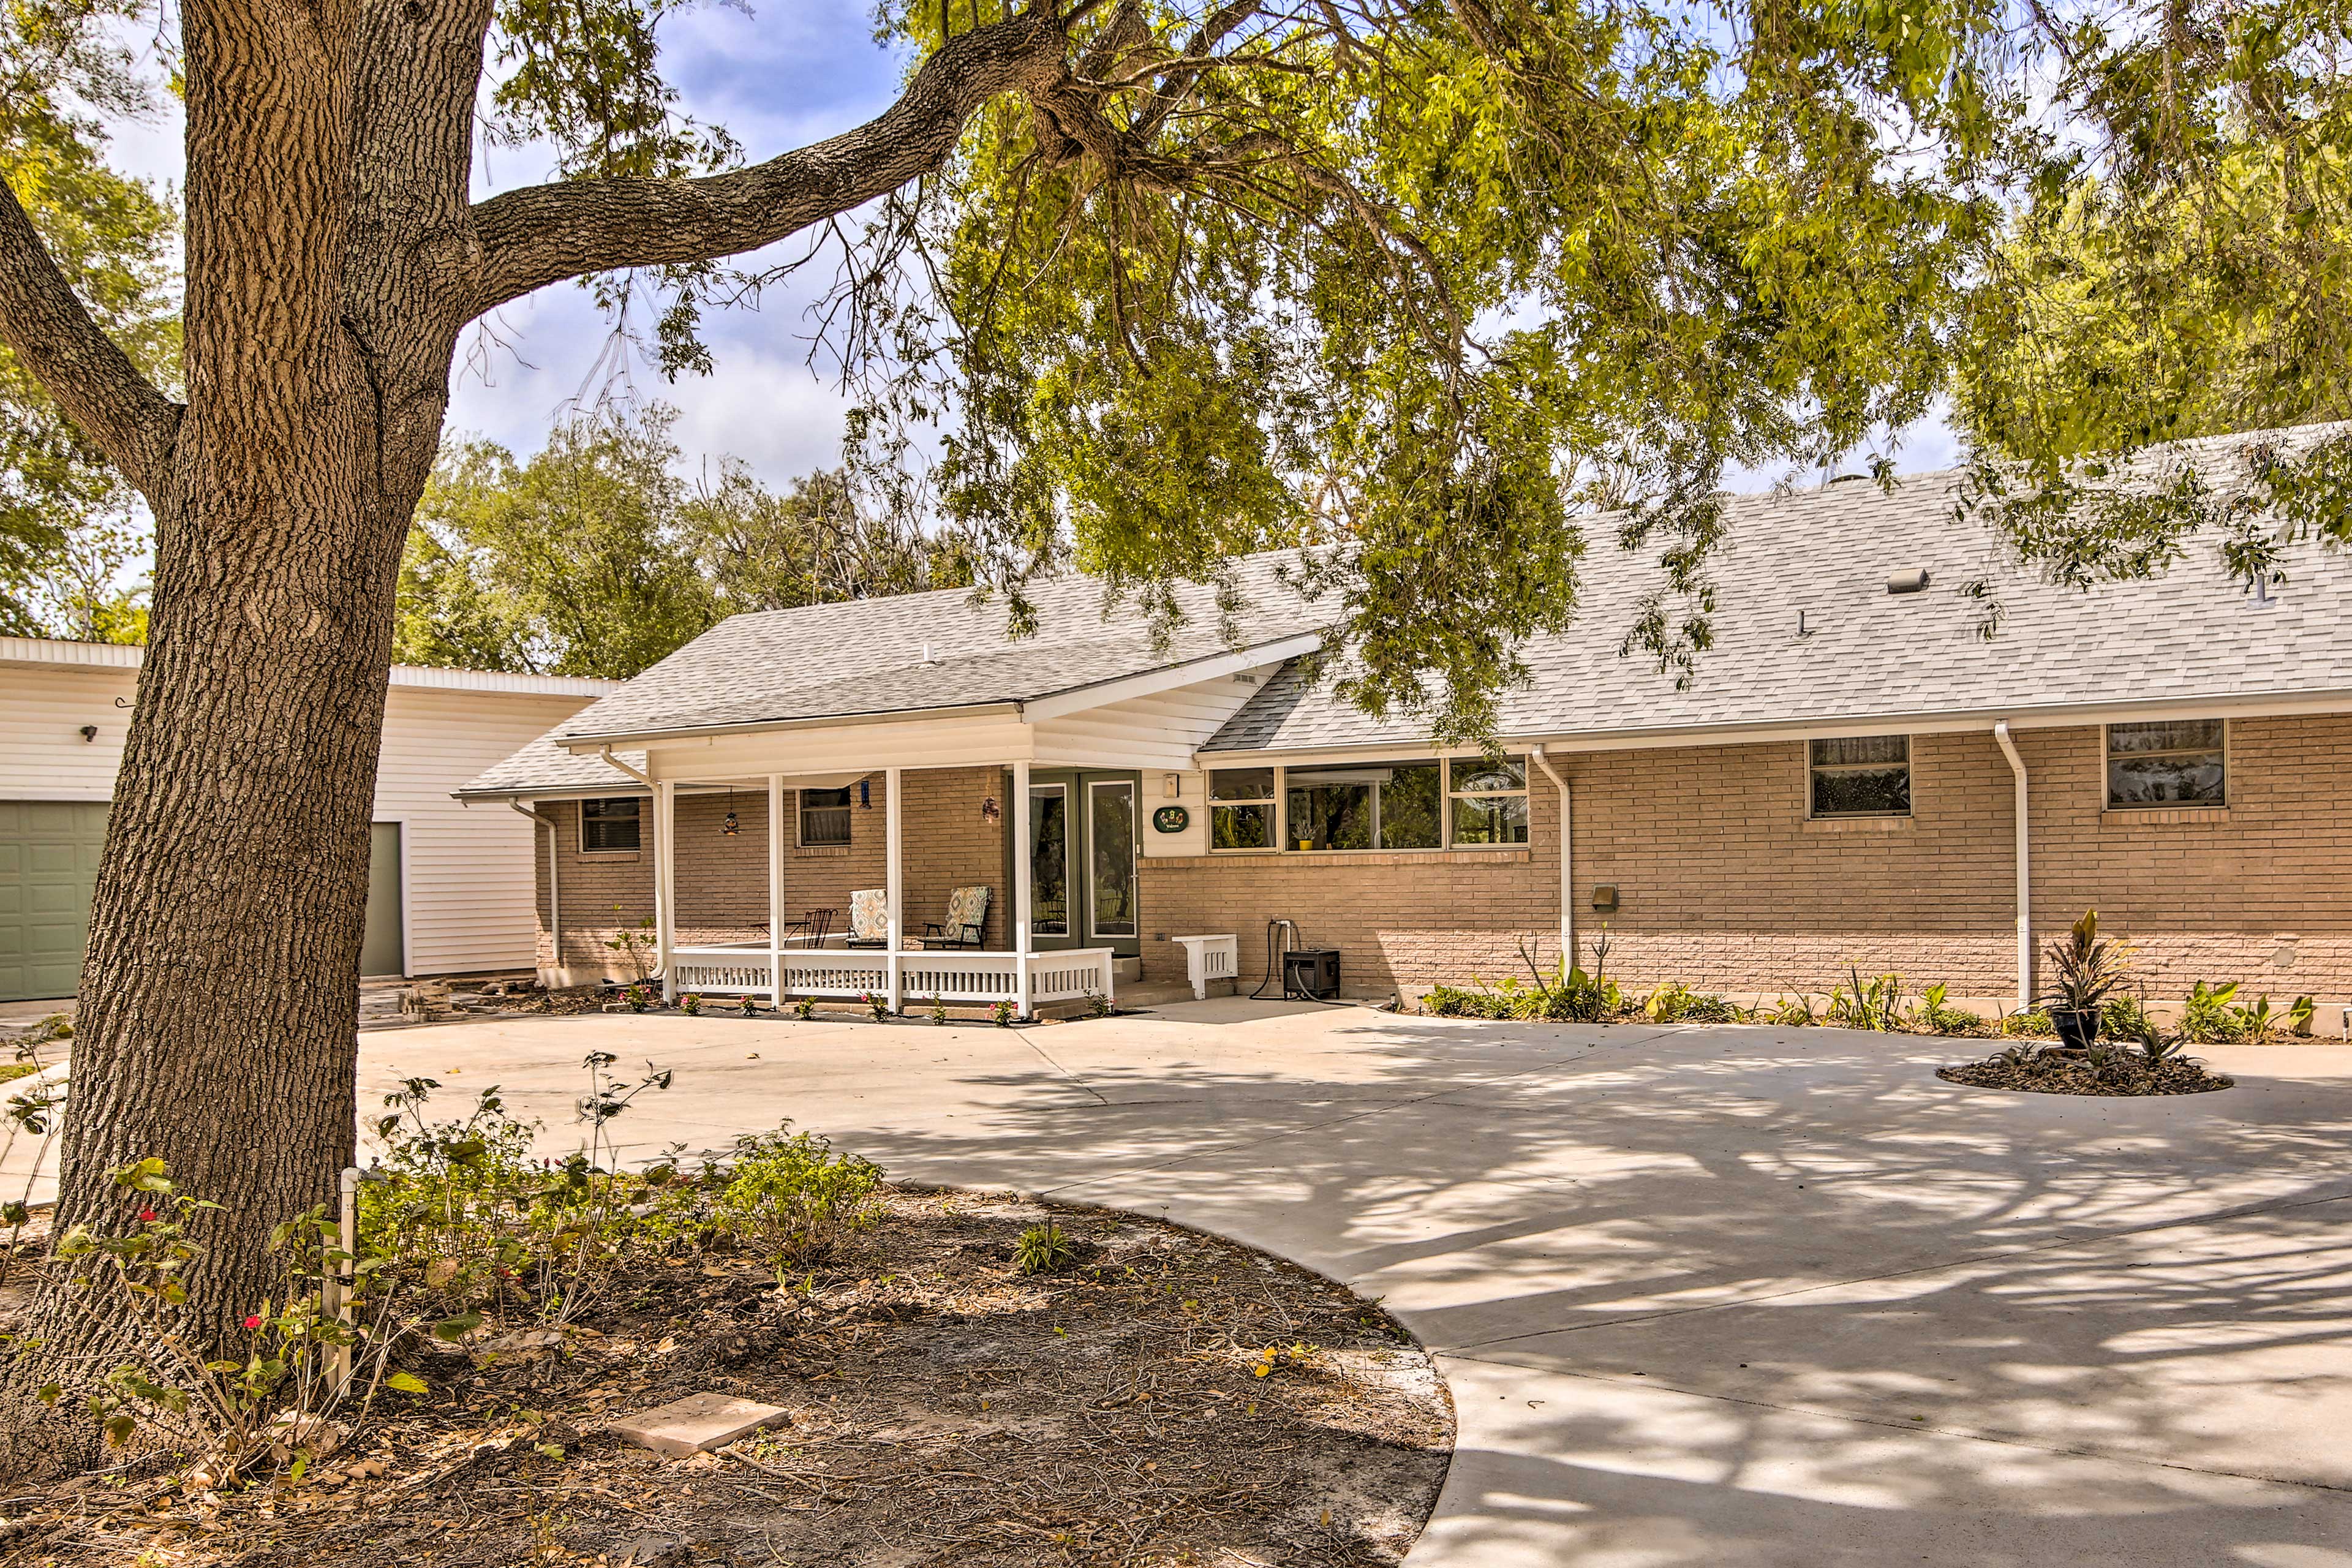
(776, 888)
(1023, 864)
(894, 880)
(665, 884)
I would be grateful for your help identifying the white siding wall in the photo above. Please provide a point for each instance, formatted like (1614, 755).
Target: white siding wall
(468, 883)
(1155, 732)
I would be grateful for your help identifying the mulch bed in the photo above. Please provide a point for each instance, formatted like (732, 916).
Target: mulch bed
(944, 1410)
(2058, 1071)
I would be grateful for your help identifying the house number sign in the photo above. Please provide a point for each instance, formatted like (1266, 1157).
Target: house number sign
(1171, 819)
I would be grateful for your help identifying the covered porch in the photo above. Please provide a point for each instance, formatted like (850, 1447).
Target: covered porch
(966, 884)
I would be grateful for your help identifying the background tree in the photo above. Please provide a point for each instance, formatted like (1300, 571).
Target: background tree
(64, 509)
(1407, 282)
(595, 558)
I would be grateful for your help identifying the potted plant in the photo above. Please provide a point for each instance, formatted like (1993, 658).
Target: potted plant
(2085, 971)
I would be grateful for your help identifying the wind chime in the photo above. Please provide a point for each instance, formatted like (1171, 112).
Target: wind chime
(729, 829)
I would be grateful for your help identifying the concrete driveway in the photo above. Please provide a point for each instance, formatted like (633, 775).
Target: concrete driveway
(1731, 1297)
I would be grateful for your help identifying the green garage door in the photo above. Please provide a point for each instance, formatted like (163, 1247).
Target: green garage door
(48, 863)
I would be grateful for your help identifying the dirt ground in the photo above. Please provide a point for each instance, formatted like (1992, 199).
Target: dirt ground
(944, 1410)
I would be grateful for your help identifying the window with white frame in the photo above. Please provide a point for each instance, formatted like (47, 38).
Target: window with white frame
(1487, 801)
(825, 817)
(2175, 761)
(1241, 808)
(1861, 775)
(1364, 805)
(609, 826)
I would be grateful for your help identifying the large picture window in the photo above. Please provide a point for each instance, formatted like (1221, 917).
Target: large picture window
(1364, 805)
(609, 826)
(1861, 775)
(825, 817)
(1241, 808)
(2180, 762)
(1488, 800)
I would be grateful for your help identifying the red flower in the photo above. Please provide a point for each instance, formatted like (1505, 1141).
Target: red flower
(254, 1322)
(147, 1216)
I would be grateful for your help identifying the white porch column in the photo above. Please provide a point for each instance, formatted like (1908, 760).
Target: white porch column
(894, 884)
(1023, 856)
(776, 886)
(665, 881)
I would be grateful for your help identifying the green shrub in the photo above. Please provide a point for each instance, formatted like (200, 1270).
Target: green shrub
(1938, 1017)
(1867, 1005)
(2033, 1021)
(1675, 1003)
(690, 1004)
(1044, 1250)
(1795, 1012)
(1462, 1002)
(792, 1196)
(2209, 1018)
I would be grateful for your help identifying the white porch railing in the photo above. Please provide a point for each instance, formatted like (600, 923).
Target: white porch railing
(923, 974)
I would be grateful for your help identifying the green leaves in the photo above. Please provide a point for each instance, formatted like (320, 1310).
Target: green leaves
(406, 1382)
(593, 558)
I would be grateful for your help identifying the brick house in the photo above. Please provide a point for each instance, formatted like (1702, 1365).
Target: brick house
(1901, 752)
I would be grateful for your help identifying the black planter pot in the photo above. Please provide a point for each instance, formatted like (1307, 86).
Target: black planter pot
(2076, 1030)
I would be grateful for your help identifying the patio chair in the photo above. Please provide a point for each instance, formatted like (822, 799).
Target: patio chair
(869, 918)
(811, 928)
(967, 918)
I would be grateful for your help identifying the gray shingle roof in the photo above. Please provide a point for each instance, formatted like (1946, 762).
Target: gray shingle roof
(545, 767)
(866, 657)
(1871, 655)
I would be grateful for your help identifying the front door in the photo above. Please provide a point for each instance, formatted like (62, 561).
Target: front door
(1083, 887)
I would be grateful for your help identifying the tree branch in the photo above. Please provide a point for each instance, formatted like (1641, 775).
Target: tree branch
(93, 381)
(544, 234)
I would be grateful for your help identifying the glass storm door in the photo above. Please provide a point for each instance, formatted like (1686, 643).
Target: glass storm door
(1049, 865)
(1110, 860)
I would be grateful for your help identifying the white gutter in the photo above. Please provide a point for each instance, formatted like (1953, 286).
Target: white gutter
(1567, 859)
(1659, 737)
(586, 741)
(555, 874)
(2024, 867)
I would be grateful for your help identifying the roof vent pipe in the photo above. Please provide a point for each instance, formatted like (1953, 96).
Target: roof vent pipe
(1912, 582)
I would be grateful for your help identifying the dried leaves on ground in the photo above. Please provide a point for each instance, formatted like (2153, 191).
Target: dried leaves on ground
(1166, 1399)
(2121, 1071)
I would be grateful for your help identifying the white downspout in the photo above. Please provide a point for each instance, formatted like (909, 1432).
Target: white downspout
(554, 880)
(2024, 867)
(1566, 859)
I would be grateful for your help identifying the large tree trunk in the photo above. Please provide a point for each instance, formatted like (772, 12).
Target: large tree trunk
(219, 999)
(332, 259)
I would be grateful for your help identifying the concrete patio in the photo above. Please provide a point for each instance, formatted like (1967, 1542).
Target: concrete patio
(1705, 1296)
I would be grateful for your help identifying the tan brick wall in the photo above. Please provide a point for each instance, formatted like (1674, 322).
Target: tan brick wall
(722, 882)
(1405, 918)
(1726, 885)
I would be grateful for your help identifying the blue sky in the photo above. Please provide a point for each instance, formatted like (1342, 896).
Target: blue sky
(785, 73)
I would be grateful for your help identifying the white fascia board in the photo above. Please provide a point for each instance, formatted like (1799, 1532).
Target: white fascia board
(2048, 716)
(589, 744)
(1191, 672)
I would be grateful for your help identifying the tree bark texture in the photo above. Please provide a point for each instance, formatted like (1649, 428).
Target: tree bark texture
(332, 259)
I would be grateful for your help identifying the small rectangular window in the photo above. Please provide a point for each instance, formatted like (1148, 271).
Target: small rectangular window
(1862, 775)
(609, 826)
(825, 817)
(1489, 800)
(2180, 762)
(1241, 808)
(1364, 805)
